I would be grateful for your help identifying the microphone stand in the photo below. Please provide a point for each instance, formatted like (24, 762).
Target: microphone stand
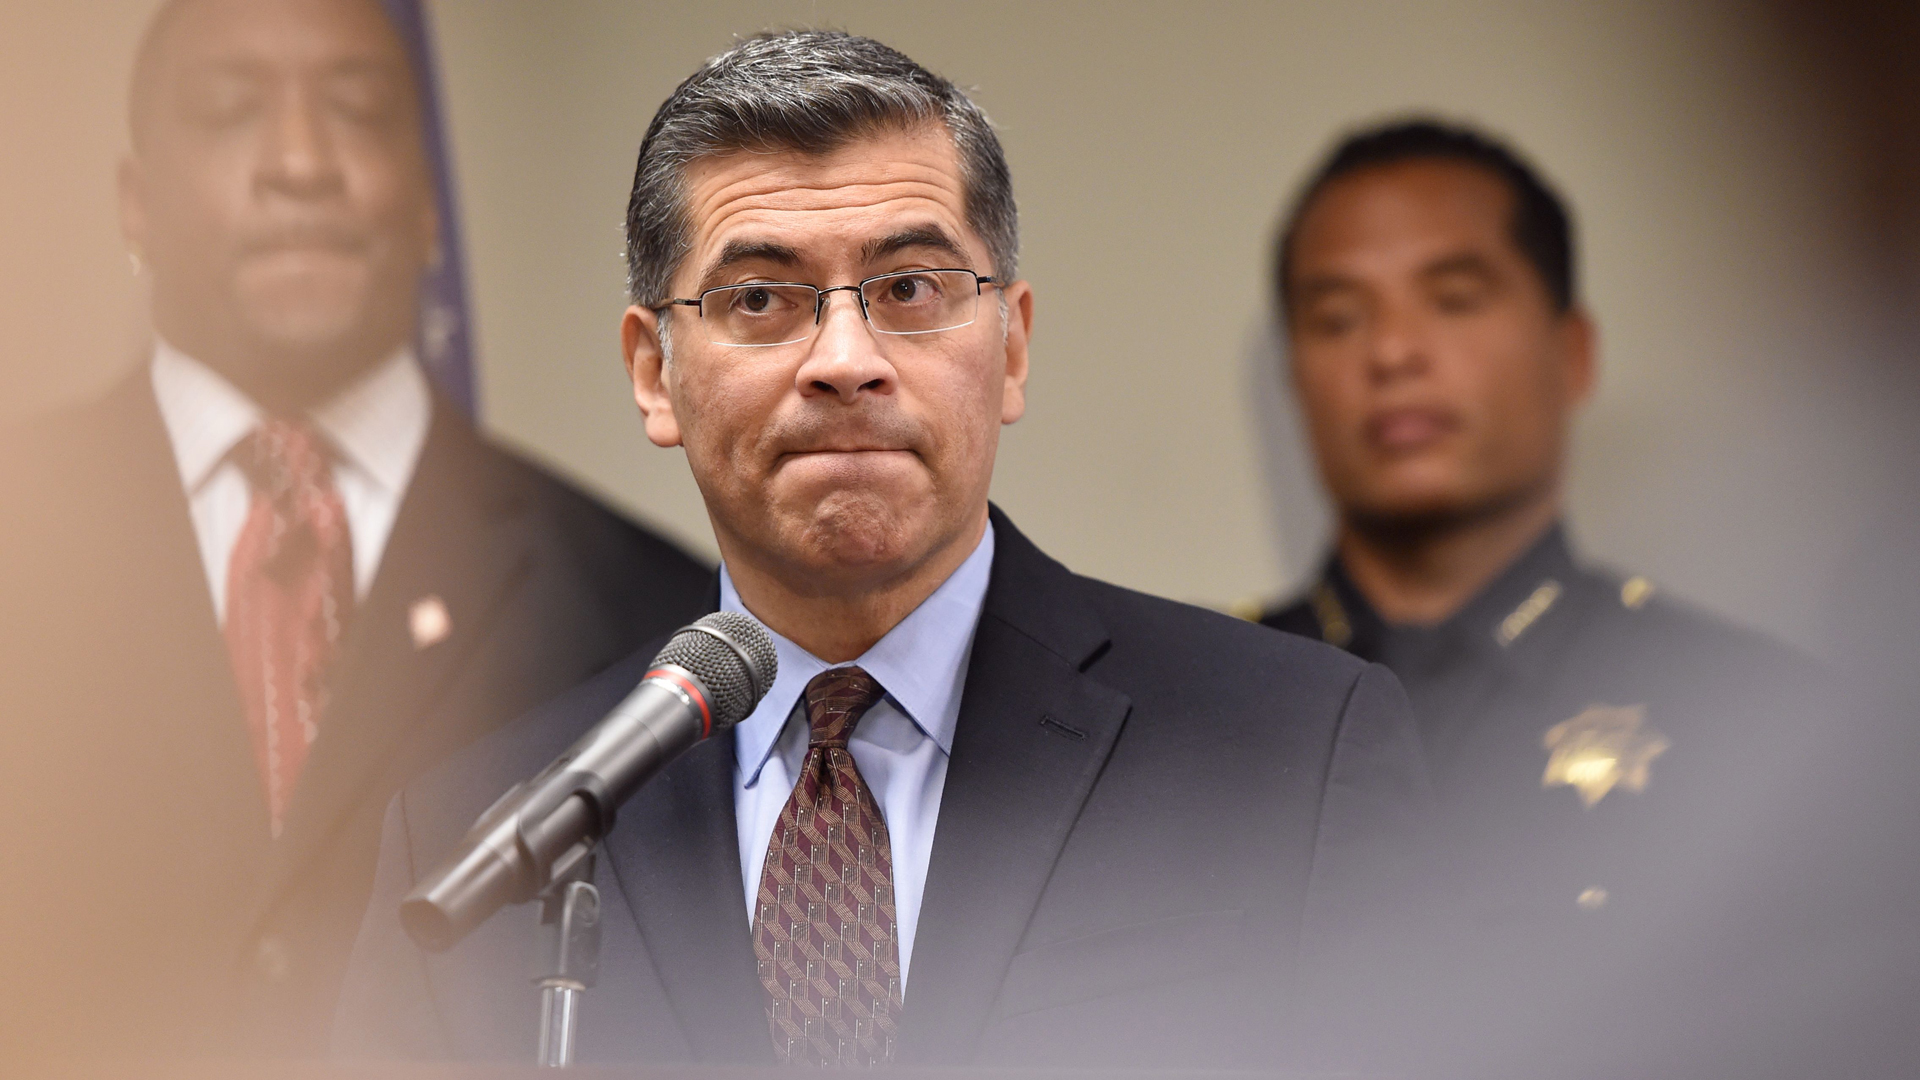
(566, 959)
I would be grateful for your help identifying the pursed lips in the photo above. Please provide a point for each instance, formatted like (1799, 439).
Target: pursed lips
(329, 240)
(1409, 428)
(851, 461)
(841, 450)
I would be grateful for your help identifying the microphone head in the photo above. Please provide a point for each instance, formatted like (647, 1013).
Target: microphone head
(732, 656)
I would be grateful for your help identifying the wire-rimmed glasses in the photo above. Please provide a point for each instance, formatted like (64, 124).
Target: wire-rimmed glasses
(760, 314)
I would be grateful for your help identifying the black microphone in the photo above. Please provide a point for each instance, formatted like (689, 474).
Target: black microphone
(707, 679)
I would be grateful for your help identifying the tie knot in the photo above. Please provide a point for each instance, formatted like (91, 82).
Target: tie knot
(283, 457)
(836, 699)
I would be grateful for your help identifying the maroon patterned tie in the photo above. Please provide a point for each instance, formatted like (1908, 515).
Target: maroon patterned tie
(289, 594)
(823, 927)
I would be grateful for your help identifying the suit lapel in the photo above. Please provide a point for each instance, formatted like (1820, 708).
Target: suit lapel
(156, 565)
(1033, 734)
(461, 547)
(677, 859)
(152, 560)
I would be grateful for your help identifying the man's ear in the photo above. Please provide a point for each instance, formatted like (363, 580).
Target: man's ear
(1580, 347)
(1013, 402)
(646, 366)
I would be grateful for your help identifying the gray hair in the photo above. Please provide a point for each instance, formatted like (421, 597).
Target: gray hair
(812, 91)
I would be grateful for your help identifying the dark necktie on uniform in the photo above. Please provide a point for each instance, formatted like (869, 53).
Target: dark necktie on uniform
(823, 927)
(289, 595)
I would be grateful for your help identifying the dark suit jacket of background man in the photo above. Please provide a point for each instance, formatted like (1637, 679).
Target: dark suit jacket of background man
(144, 904)
(1145, 804)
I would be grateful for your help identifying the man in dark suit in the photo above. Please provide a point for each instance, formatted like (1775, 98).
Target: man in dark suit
(260, 582)
(1153, 822)
(1603, 755)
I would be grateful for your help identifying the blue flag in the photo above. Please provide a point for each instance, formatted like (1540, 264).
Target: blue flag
(442, 338)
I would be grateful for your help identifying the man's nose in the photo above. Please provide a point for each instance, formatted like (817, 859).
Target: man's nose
(1400, 346)
(844, 358)
(298, 156)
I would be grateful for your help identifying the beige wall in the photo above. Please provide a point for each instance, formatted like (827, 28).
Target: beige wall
(1151, 146)
(70, 316)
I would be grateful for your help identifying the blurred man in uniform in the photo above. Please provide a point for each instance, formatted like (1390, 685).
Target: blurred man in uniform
(1593, 744)
(246, 593)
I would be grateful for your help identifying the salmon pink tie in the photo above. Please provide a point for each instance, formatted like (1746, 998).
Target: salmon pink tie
(823, 927)
(289, 595)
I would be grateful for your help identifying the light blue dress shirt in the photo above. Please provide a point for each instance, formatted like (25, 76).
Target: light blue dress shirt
(901, 745)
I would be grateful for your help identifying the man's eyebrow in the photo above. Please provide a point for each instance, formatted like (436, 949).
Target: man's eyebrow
(1317, 285)
(918, 236)
(738, 251)
(383, 66)
(251, 67)
(1464, 262)
(245, 67)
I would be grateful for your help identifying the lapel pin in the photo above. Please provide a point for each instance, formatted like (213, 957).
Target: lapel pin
(429, 621)
(1604, 746)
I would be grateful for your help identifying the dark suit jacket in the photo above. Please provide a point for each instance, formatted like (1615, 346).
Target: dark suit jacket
(143, 905)
(1152, 816)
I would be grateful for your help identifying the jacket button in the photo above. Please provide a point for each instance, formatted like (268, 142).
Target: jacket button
(273, 959)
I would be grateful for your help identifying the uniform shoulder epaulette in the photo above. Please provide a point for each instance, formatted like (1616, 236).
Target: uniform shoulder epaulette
(1335, 628)
(1528, 612)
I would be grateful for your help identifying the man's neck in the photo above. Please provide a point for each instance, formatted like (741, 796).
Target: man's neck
(839, 625)
(1422, 575)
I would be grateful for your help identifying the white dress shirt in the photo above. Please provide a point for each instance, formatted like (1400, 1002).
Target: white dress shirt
(900, 745)
(376, 428)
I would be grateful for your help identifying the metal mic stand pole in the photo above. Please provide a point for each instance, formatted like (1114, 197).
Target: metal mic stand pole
(566, 960)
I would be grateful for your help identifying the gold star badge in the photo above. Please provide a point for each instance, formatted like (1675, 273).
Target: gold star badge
(1603, 746)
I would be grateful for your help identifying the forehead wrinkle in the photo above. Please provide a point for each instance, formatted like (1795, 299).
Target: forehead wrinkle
(782, 191)
(760, 193)
(755, 223)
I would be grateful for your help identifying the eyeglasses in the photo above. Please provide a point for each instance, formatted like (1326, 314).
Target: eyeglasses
(761, 314)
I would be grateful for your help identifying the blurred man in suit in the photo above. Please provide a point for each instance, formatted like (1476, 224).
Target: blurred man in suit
(251, 589)
(1140, 805)
(1595, 746)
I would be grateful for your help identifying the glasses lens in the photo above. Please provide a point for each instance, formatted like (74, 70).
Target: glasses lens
(758, 314)
(921, 301)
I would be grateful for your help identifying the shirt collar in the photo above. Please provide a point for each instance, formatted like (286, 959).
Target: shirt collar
(921, 663)
(1495, 619)
(378, 423)
(206, 416)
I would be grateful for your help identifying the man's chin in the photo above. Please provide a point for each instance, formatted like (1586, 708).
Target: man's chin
(305, 333)
(305, 355)
(1413, 512)
(859, 534)
(308, 300)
